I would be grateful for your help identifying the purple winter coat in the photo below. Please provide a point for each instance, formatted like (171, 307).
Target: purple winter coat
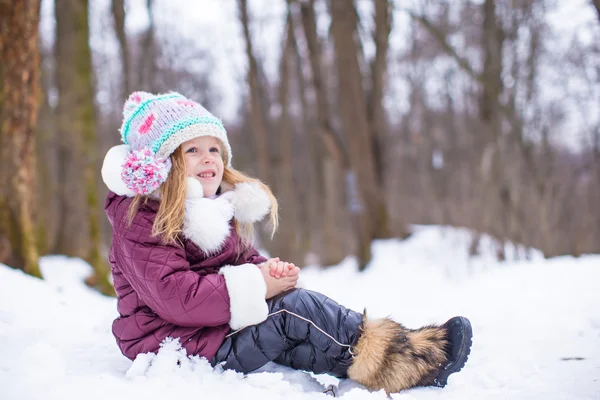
(168, 290)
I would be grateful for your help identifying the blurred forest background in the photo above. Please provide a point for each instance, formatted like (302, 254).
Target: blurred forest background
(371, 115)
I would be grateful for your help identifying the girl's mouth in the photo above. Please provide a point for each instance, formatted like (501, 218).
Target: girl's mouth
(207, 175)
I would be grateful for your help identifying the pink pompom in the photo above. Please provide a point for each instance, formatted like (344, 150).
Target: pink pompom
(143, 172)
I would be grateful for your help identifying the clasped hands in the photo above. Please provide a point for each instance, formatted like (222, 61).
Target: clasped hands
(279, 276)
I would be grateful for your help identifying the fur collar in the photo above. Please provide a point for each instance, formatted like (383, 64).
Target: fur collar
(206, 221)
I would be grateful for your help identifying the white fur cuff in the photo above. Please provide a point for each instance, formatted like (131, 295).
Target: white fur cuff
(247, 290)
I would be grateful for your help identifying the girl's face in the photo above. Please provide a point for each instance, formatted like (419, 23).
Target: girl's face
(203, 161)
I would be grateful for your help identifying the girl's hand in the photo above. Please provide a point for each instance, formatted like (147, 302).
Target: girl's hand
(280, 269)
(275, 285)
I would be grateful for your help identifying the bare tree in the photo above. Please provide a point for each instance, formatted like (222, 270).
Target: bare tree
(309, 174)
(80, 233)
(146, 63)
(47, 199)
(257, 115)
(118, 12)
(19, 103)
(334, 158)
(515, 177)
(288, 239)
(477, 149)
(372, 217)
(377, 115)
(376, 111)
(72, 238)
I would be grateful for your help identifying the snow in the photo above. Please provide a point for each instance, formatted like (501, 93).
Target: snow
(536, 327)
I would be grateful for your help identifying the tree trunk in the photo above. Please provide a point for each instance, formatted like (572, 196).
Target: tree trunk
(147, 60)
(288, 238)
(19, 103)
(257, 120)
(47, 195)
(492, 40)
(310, 210)
(334, 158)
(80, 234)
(596, 4)
(377, 115)
(118, 12)
(354, 120)
(496, 186)
(73, 238)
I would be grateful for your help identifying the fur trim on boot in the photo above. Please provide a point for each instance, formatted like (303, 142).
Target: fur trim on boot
(389, 356)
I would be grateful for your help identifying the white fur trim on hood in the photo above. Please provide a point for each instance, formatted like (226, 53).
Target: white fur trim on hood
(250, 202)
(111, 170)
(247, 290)
(206, 221)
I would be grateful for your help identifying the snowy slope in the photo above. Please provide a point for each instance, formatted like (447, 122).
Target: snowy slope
(536, 329)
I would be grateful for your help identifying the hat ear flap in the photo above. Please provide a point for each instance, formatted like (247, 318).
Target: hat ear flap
(112, 168)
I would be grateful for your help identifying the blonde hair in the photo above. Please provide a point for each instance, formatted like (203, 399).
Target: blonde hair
(169, 219)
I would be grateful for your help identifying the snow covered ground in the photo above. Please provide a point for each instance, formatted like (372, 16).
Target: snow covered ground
(536, 329)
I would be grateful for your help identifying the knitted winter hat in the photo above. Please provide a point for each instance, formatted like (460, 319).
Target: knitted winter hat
(153, 127)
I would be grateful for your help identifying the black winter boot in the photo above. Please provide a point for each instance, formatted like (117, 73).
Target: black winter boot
(460, 334)
(391, 357)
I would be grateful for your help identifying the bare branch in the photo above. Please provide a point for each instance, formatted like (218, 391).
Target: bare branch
(441, 38)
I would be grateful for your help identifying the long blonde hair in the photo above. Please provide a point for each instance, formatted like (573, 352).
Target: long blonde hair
(168, 223)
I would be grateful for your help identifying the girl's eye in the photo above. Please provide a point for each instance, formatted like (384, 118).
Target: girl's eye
(192, 150)
(214, 149)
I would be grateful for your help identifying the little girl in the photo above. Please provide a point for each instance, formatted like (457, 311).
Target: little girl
(184, 267)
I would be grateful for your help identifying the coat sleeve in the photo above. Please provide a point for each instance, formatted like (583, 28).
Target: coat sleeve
(251, 256)
(161, 276)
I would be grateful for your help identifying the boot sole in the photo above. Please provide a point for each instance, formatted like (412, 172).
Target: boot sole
(461, 358)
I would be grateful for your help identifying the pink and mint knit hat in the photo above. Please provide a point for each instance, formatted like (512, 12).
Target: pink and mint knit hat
(153, 127)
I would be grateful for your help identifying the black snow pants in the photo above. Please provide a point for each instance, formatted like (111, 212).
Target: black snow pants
(305, 330)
